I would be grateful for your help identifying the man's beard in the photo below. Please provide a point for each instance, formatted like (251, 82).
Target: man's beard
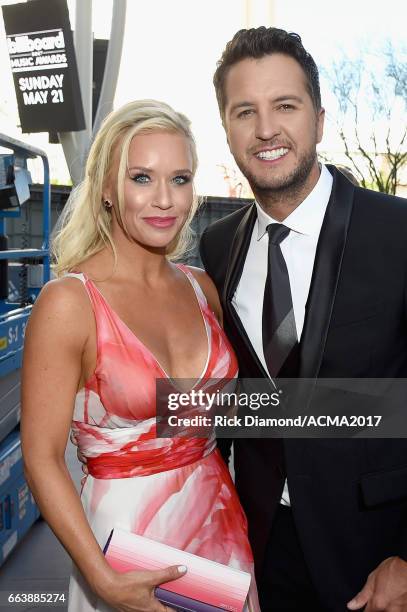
(291, 183)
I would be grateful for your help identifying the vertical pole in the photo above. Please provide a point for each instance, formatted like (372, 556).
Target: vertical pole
(271, 13)
(112, 67)
(83, 40)
(76, 144)
(248, 13)
(259, 12)
(46, 219)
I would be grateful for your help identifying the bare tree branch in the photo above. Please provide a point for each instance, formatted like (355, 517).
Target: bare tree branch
(374, 99)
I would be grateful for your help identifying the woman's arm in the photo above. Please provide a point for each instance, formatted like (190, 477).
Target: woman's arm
(55, 340)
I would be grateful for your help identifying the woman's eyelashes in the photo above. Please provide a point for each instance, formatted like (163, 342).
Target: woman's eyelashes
(181, 179)
(143, 179)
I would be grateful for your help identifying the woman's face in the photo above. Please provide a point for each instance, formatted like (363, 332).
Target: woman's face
(157, 188)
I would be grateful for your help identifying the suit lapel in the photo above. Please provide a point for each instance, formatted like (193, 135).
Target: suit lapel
(238, 253)
(325, 276)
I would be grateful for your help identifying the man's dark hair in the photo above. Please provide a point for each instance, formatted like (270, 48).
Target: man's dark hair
(257, 43)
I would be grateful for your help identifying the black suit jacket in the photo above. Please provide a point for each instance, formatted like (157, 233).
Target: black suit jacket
(349, 496)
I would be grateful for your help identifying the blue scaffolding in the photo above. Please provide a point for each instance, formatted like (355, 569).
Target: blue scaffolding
(32, 266)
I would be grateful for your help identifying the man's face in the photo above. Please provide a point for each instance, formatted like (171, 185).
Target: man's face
(271, 124)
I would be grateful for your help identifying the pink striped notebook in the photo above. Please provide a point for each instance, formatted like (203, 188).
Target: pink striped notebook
(206, 587)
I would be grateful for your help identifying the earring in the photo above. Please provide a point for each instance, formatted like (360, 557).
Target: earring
(107, 204)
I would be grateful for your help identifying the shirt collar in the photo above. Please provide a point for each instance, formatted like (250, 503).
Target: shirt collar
(307, 218)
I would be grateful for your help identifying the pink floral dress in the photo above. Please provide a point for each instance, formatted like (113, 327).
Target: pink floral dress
(174, 490)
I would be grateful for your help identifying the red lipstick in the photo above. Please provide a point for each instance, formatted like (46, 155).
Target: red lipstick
(160, 222)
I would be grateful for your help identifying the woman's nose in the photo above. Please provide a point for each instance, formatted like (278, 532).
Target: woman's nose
(163, 196)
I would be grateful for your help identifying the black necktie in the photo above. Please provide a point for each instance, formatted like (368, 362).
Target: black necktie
(280, 343)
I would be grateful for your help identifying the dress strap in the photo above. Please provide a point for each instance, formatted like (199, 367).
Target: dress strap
(84, 280)
(195, 284)
(79, 275)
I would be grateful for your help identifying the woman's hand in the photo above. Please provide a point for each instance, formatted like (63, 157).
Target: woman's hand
(134, 591)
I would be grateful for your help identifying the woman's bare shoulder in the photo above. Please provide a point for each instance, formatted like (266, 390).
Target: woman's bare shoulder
(65, 291)
(63, 307)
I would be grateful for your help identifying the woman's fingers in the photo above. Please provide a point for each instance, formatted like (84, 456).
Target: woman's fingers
(157, 577)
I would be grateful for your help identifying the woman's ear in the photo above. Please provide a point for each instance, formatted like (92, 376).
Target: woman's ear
(106, 194)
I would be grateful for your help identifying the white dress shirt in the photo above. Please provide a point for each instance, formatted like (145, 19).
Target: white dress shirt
(298, 250)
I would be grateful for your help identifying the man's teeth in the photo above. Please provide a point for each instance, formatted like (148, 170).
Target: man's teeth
(274, 154)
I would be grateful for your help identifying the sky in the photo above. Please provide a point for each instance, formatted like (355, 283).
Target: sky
(171, 48)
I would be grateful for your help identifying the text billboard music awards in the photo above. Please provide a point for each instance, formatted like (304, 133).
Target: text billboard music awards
(43, 63)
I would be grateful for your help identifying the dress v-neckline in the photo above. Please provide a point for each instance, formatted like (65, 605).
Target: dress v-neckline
(144, 346)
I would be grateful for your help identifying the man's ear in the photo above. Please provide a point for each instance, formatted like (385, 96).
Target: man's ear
(226, 131)
(320, 123)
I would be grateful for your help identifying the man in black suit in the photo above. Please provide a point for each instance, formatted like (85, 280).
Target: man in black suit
(313, 283)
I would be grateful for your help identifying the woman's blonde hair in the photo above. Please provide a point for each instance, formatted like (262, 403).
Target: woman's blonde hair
(84, 226)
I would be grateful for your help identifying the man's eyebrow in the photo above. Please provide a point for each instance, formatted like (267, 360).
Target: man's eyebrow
(288, 97)
(283, 98)
(243, 104)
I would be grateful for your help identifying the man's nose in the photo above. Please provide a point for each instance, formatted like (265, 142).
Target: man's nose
(266, 126)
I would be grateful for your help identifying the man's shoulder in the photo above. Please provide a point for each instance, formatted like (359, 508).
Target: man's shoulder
(227, 225)
(216, 243)
(389, 204)
(369, 200)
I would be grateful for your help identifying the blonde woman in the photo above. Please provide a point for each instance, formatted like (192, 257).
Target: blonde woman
(120, 315)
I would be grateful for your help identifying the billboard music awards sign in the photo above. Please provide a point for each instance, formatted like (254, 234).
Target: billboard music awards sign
(43, 64)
